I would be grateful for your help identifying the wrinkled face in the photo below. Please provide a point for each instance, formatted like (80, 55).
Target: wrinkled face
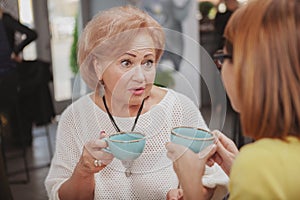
(129, 78)
(228, 79)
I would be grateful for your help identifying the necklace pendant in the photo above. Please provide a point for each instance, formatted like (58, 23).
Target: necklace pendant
(127, 164)
(128, 172)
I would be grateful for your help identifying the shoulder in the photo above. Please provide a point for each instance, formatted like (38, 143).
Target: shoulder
(185, 106)
(175, 100)
(183, 99)
(83, 104)
(253, 155)
(260, 165)
(266, 148)
(253, 163)
(178, 100)
(247, 172)
(260, 155)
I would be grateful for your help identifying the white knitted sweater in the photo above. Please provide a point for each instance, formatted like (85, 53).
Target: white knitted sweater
(152, 173)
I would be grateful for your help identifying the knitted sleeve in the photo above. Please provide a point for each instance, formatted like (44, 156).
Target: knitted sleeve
(66, 154)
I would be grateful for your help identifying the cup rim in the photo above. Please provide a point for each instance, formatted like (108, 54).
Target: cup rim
(191, 138)
(123, 132)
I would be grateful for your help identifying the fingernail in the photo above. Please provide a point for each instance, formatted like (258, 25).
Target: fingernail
(216, 132)
(101, 133)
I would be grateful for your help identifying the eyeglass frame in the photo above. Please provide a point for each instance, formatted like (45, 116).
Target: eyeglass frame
(219, 58)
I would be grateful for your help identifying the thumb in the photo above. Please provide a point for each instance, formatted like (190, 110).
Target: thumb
(208, 152)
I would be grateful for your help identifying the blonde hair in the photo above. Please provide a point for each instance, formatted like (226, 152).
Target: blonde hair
(264, 37)
(109, 32)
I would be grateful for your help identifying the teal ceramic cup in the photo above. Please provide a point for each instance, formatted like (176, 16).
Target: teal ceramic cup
(126, 146)
(195, 139)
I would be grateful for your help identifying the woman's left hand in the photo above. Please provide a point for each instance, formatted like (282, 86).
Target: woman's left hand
(190, 167)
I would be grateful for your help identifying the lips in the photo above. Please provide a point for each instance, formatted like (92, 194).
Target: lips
(137, 91)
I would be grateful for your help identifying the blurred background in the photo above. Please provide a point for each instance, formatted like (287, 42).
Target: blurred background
(60, 22)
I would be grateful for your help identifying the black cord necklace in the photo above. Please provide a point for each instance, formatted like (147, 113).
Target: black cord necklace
(113, 120)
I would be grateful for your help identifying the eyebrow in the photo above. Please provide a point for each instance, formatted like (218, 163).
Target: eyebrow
(133, 55)
(130, 54)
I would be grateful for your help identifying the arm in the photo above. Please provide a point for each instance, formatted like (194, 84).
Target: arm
(191, 116)
(81, 184)
(215, 181)
(189, 168)
(71, 175)
(15, 25)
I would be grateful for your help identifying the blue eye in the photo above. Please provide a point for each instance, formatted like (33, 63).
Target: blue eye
(148, 64)
(126, 63)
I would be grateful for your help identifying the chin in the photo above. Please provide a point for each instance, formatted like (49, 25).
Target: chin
(235, 107)
(137, 99)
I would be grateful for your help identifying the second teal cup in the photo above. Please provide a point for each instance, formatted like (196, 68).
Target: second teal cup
(126, 146)
(195, 139)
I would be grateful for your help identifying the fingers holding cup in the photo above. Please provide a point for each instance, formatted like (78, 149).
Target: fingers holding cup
(174, 151)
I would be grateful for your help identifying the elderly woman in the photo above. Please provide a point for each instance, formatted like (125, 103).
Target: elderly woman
(118, 53)
(261, 73)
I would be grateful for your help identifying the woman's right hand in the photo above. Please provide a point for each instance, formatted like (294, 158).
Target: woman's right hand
(226, 152)
(92, 152)
(81, 185)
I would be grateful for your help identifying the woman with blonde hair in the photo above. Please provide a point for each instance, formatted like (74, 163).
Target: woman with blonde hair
(261, 73)
(118, 53)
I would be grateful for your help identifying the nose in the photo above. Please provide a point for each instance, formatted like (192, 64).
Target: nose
(138, 74)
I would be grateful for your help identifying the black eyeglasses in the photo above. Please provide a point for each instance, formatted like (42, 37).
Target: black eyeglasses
(219, 58)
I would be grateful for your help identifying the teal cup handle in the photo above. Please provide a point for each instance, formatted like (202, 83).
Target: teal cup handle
(107, 150)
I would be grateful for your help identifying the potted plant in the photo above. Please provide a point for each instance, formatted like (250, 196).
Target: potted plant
(73, 54)
(164, 78)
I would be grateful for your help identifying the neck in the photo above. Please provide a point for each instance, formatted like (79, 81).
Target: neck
(116, 108)
(113, 120)
(123, 110)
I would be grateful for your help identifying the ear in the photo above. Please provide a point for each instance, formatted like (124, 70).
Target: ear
(98, 68)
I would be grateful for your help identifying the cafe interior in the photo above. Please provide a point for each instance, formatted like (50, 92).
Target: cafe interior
(58, 23)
